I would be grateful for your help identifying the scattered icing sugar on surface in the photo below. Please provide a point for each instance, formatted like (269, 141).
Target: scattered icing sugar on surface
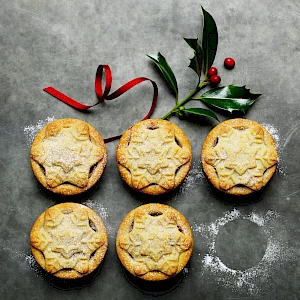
(193, 178)
(279, 144)
(31, 130)
(21, 255)
(102, 212)
(252, 279)
(274, 132)
(33, 265)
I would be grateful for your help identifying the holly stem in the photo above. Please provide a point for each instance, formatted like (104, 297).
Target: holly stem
(203, 84)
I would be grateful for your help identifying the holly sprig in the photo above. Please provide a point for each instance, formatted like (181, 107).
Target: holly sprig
(229, 98)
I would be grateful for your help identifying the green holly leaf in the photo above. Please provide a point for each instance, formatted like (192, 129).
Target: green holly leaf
(209, 40)
(201, 112)
(166, 71)
(230, 98)
(196, 61)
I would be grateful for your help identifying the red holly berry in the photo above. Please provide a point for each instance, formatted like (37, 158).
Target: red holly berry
(215, 79)
(229, 63)
(212, 71)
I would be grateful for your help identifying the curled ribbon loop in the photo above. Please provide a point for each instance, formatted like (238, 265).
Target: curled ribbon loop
(105, 95)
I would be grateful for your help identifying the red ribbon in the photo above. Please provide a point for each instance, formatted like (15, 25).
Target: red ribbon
(105, 95)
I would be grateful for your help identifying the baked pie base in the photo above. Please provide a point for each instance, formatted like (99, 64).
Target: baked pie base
(154, 242)
(154, 156)
(239, 156)
(69, 240)
(68, 156)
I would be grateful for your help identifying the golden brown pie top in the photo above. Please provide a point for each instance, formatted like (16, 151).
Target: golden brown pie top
(154, 242)
(154, 156)
(69, 240)
(239, 156)
(68, 156)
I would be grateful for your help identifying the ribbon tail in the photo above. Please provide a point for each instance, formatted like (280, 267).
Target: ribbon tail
(105, 95)
(66, 99)
(132, 83)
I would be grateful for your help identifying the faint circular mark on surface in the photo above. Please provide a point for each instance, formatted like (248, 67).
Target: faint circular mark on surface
(241, 244)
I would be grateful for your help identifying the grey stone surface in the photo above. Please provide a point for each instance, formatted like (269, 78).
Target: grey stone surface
(61, 43)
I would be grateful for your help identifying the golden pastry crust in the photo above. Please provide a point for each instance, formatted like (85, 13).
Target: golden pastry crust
(239, 156)
(154, 156)
(69, 240)
(68, 156)
(154, 242)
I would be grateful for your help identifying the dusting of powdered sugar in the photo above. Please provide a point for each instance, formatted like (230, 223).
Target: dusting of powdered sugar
(194, 177)
(102, 212)
(274, 131)
(31, 130)
(26, 259)
(251, 279)
(33, 265)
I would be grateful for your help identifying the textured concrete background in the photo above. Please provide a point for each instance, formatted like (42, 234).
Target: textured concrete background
(61, 43)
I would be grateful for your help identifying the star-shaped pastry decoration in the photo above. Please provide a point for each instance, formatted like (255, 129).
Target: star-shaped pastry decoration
(155, 243)
(152, 157)
(241, 157)
(66, 240)
(67, 155)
